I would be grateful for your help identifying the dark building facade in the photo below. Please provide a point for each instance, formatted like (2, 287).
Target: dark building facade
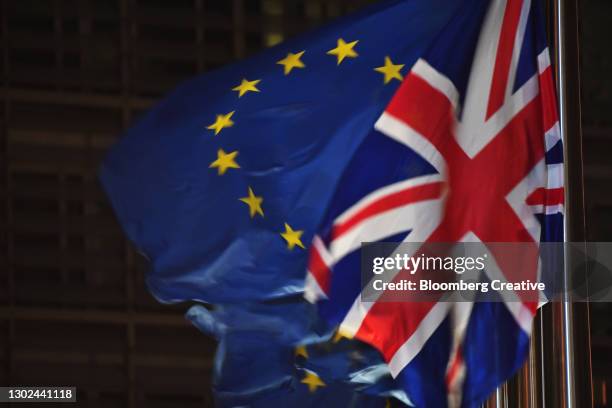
(73, 305)
(74, 73)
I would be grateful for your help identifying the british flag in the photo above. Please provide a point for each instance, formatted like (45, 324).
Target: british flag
(468, 149)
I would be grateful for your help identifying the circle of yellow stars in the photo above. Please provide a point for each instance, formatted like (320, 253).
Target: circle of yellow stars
(226, 161)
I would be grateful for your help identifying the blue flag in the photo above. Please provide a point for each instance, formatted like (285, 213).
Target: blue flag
(256, 365)
(209, 179)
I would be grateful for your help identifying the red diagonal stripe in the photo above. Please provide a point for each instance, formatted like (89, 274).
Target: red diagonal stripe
(423, 192)
(454, 368)
(505, 50)
(425, 109)
(319, 269)
(389, 324)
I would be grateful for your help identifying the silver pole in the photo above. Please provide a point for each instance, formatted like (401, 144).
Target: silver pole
(567, 313)
(561, 344)
(501, 396)
(572, 321)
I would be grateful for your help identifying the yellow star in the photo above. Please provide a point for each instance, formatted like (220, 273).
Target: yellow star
(222, 121)
(344, 50)
(225, 161)
(292, 237)
(246, 86)
(254, 203)
(301, 351)
(313, 381)
(292, 61)
(339, 335)
(390, 70)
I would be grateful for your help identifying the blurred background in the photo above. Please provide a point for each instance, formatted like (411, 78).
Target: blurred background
(74, 73)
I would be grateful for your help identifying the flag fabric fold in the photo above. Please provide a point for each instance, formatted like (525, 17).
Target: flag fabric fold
(265, 358)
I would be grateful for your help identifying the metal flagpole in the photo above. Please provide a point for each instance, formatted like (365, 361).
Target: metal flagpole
(565, 327)
(558, 372)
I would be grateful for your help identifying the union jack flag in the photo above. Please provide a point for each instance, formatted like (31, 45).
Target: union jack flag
(468, 149)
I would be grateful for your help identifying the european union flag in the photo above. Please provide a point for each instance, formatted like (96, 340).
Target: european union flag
(223, 184)
(256, 367)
